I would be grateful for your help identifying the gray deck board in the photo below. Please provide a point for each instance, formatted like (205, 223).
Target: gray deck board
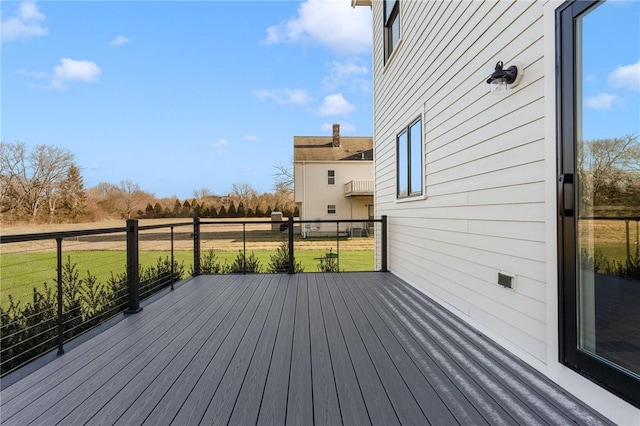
(62, 392)
(154, 389)
(405, 405)
(429, 382)
(300, 398)
(223, 401)
(186, 396)
(250, 396)
(353, 409)
(326, 409)
(164, 369)
(145, 364)
(380, 408)
(427, 398)
(273, 407)
(233, 355)
(304, 349)
(66, 366)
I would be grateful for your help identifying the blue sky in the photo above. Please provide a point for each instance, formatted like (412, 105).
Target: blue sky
(179, 96)
(611, 70)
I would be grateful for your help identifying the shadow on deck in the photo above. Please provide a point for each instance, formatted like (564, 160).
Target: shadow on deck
(324, 349)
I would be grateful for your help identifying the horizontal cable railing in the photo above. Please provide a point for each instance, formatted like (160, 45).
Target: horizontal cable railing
(58, 285)
(290, 246)
(612, 244)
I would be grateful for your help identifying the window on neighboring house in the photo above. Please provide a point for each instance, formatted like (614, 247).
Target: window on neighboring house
(331, 209)
(331, 177)
(410, 160)
(391, 26)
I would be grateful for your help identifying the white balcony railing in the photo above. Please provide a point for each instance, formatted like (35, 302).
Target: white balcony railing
(358, 187)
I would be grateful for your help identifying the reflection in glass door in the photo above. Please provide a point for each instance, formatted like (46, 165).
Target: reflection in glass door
(600, 190)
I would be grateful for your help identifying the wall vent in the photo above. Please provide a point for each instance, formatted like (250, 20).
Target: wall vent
(506, 280)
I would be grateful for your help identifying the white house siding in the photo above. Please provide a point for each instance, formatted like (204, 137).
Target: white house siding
(484, 208)
(490, 172)
(313, 191)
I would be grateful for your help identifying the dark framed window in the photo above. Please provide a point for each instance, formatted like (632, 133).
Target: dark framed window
(331, 209)
(409, 166)
(598, 307)
(331, 177)
(391, 27)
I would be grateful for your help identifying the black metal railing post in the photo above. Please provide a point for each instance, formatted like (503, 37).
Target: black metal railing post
(244, 248)
(626, 228)
(60, 318)
(196, 246)
(338, 246)
(292, 269)
(383, 240)
(133, 267)
(173, 272)
(637, 237)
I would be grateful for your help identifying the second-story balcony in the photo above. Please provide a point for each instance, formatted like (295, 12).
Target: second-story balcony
(356, 188)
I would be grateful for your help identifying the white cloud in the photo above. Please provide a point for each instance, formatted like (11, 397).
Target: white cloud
(25, 24)
(251, 138)
(222, 146)
(245, 169)
(221, 143)
(72, 70)
(285, 96)
(335, 104)
(626, 77)
(33, 74)
(332, 23)
(119, 41)
(601, 101)
(344, 73)
(345, 128)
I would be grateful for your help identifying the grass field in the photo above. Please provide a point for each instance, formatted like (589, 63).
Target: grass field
(20, 272)
(25, 265)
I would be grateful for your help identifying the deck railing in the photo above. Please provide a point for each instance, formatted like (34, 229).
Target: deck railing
(358, 187)
(631, 233)
(54, 315)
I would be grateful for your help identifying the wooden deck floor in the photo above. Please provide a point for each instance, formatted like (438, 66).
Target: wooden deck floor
(324, 349)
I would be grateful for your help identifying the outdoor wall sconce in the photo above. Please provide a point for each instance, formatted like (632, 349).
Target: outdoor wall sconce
(502, 79)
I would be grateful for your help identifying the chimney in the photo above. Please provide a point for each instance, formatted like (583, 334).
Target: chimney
(336, 136)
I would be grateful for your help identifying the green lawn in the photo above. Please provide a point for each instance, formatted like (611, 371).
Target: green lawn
(617, 252)
(21, 272)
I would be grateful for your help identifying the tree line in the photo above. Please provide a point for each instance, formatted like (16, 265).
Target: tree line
(44, 185)
(609, 175)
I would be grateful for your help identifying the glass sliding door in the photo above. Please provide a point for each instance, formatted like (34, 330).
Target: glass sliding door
(599, 191)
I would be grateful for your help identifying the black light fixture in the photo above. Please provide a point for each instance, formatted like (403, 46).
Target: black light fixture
(502, 78)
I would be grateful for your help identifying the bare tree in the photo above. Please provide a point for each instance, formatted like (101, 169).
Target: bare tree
(283, 177)
(202, 194)
(243, 193)
(12, 176)
(608, 168)
(131, 198)
(30, 179)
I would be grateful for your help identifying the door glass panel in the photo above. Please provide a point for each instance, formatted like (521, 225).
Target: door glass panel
(608, 177)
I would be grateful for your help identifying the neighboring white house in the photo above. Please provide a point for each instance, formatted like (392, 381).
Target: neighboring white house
(333, 180)
(470, 179)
